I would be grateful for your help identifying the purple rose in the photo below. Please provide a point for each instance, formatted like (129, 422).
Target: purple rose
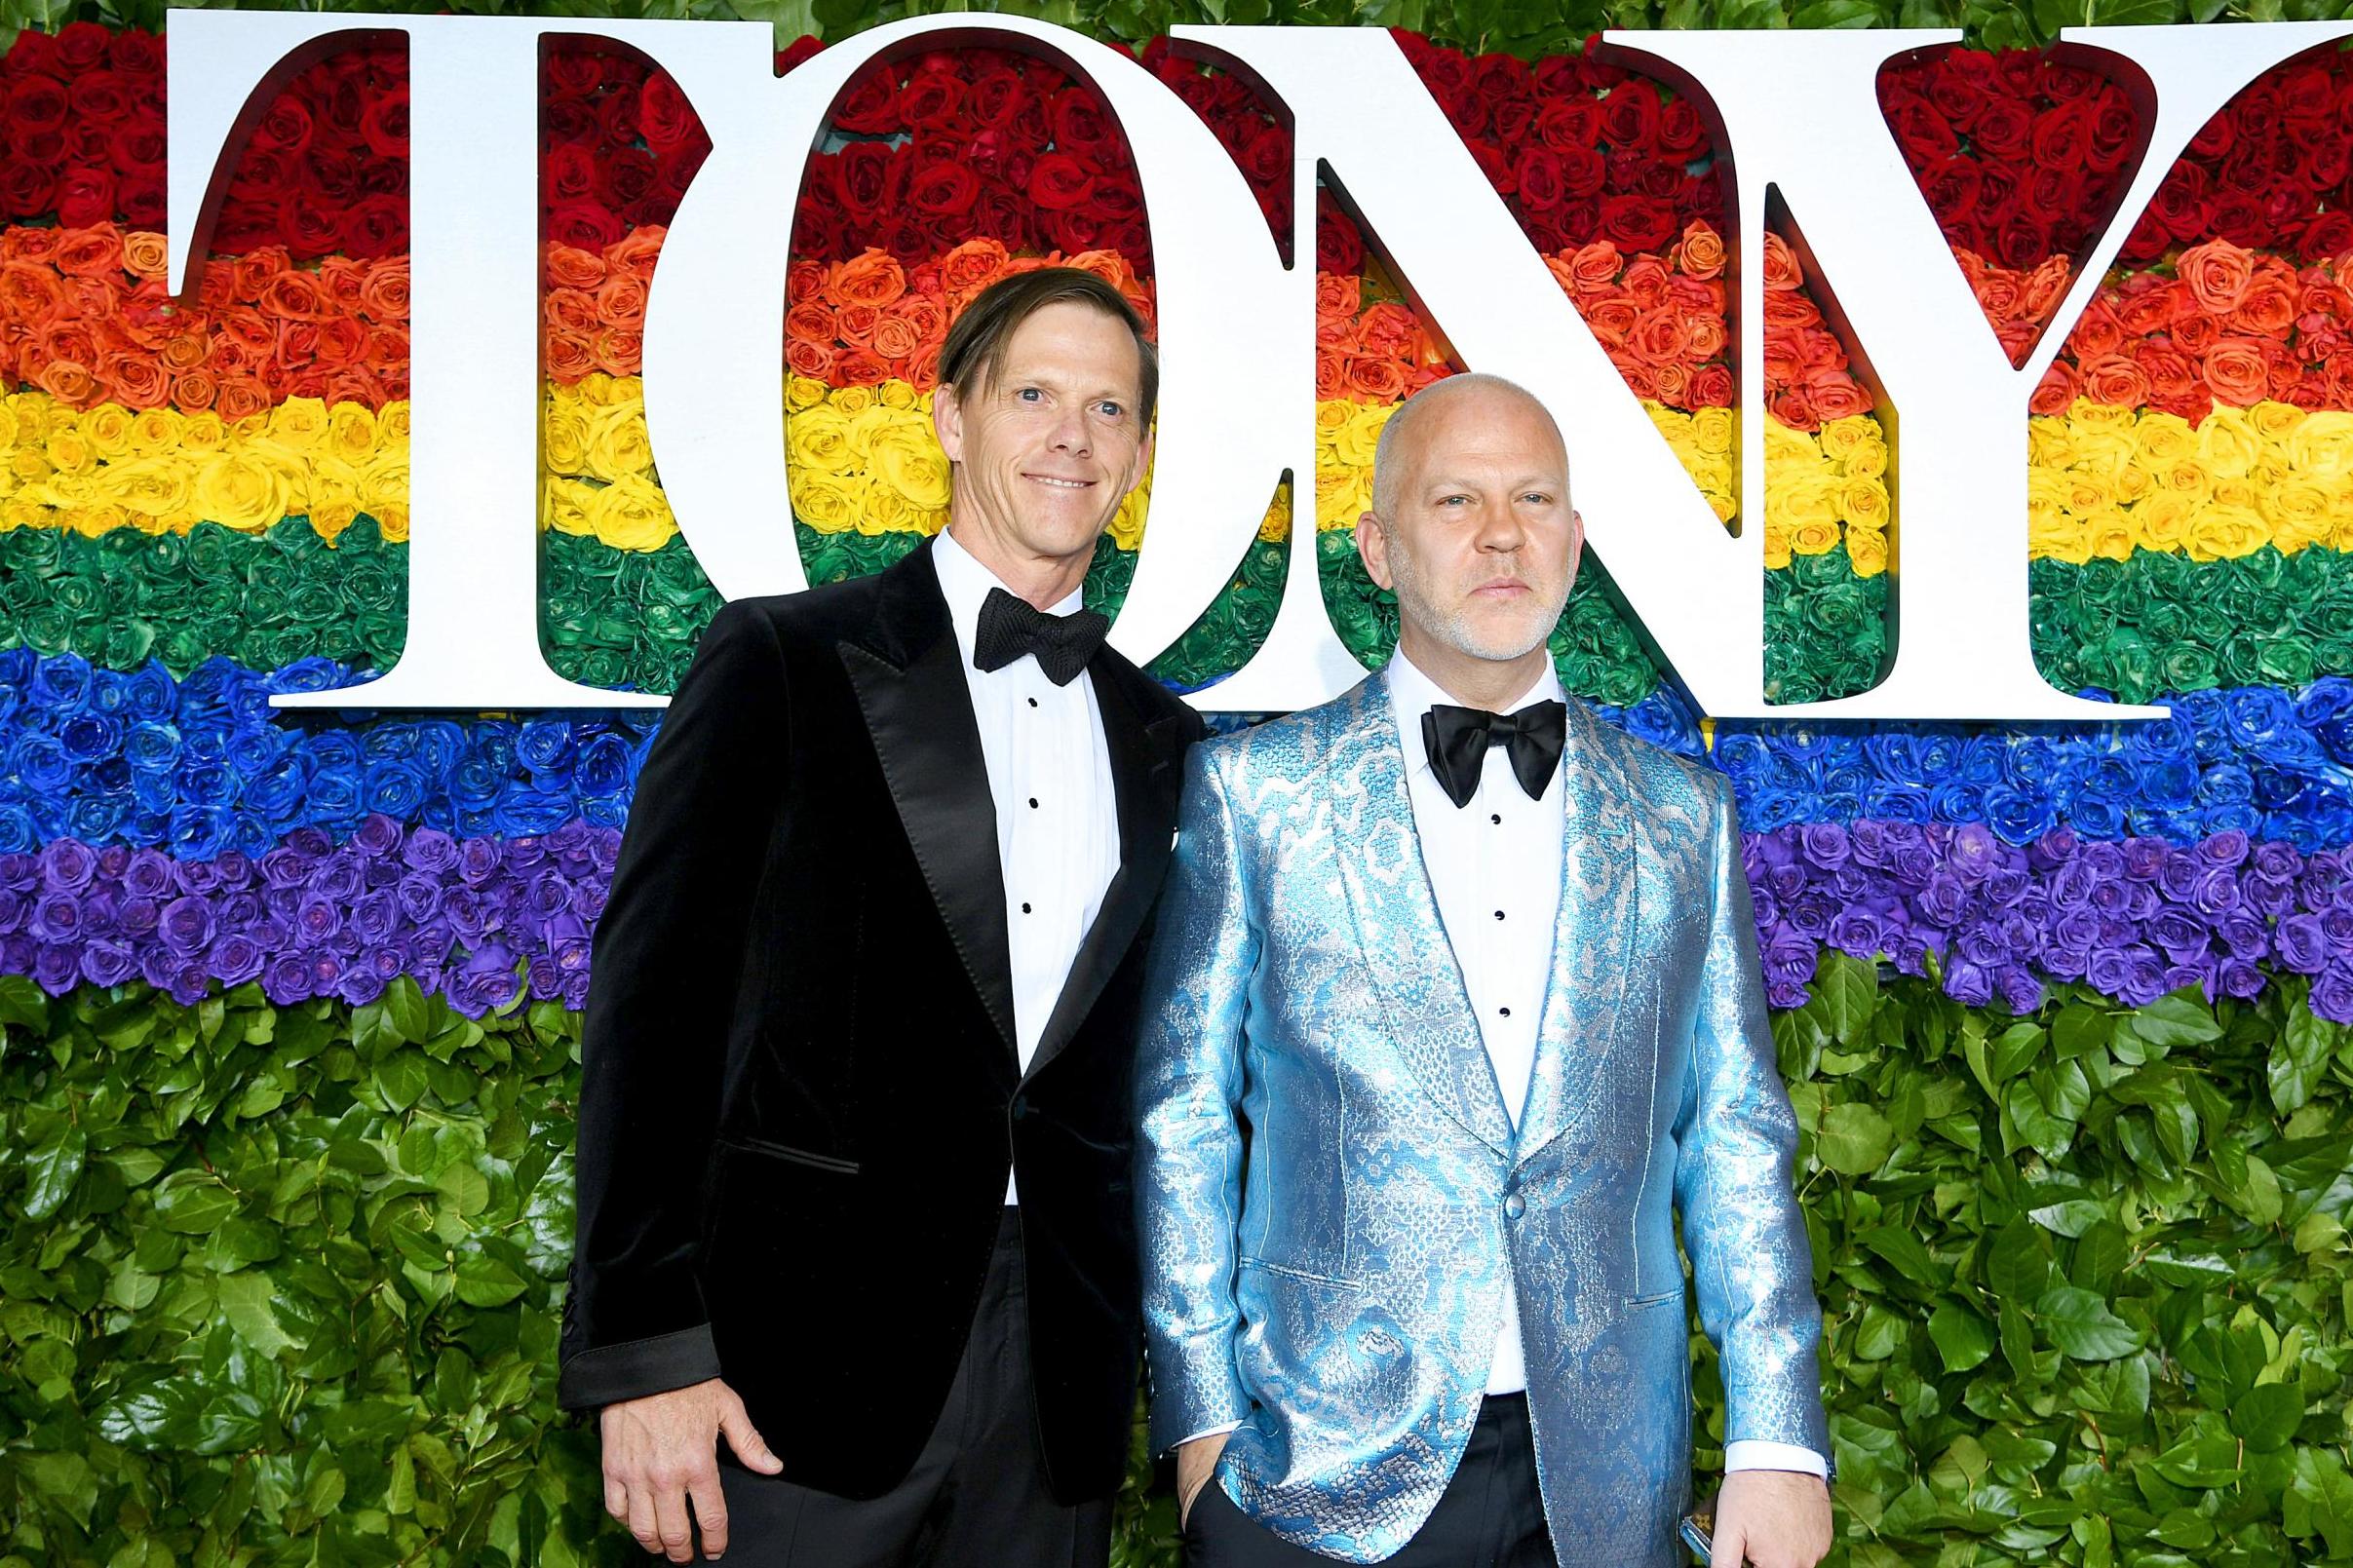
(2243, 934)
(286, 980)
(232, 871)
(2179, 932)
(1824, 844)
(2240, 978)
(431, 850)
(375, 917)
(187, 926)
(1944, 901)
(108, 963)
(358, 985)
(67, 866)
(2333, 994)
(2021, 992)
(337, 879)
(2267, 894)
(2277, 860)
(479, 859)
(236, 958)
(2300, 943)
(149, 874)
(2226, 848)
(57, 917)
(376, 835)
(285, 867)
(420, 898)
(1856, 931)
(2218, 892)
(57, 968)
(317, 920)
(1968, 983)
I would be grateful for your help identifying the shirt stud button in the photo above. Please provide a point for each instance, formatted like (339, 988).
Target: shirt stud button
(1514, 1207)
(1033, 802)
(1024, 909)
(1033, 702)
(1496, 817)
(1506, 1011)
(1498, 914)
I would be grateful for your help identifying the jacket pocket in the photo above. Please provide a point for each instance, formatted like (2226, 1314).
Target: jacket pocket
(799, 1156)
(1649, 1303)
(1286, 1272)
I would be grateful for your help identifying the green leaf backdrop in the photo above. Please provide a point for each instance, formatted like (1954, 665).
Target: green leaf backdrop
(281, 1285)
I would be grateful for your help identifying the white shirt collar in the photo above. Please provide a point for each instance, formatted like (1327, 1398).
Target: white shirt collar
(1415, 693)
(965, 584)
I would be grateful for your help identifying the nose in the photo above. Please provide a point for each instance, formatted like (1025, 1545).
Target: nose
(1500, 528)
(1069, 432)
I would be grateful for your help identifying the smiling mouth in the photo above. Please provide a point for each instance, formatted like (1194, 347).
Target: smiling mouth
(1051, 483)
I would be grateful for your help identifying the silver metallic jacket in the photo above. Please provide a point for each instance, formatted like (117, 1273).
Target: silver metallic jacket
(1332, 1201)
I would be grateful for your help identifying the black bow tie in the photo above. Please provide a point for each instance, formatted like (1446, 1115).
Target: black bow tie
(1012, 627)
(1457, 740)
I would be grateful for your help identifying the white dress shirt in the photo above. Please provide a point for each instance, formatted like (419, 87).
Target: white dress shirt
(1494, 866)
(1057, 814)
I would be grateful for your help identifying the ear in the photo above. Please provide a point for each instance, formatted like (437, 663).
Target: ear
(947, 421)
(1143, 465)
(1372, 548)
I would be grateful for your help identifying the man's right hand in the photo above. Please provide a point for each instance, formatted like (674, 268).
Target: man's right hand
(1196, 1463)
(661, 1453)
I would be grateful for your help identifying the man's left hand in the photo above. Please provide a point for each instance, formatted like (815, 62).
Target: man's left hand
(1772, 1518)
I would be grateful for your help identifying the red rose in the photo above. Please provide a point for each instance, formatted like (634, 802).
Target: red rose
(1583, 171)
(1058, 182)
(618, 114)
(284, 127)
(1006, 217)
(625, 177)
(2002, 129)
(568, 120)
(942, 190)
(570, 73)
(1566, 125)
(2114, 132)
(101, 95)
(2326, 236)
(1514, 120)
(1630, 116)
(36, 103)
(1265, 159)
(80, 45)
(2061, 138)
(141, 201)
(1082, 126)
(1339, 245)
(385, 124)
(137, 52)
(85, 196)
(678, 169)
(309, 225)
(567, 173)
(800, 50)
(1638, 222)
(136, 151)
(931, 98)
(665, 119)
(1541, 189)
(998, 98)
(869, 104)
(867, 180)
(1921, 131)
(583, 225)
(26, 190)
(1952, 186)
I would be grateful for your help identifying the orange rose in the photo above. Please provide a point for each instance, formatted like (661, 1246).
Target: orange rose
(2172, 377)
(1706, 335)
(139, 382)
(856, 324)
(1638, 377)
(1372, 379)
(1659, 338)
(569, 356)
(568, 310)
(387, 351)
(619, 349)
(2097, 333)
(1793, 408)
(1836, 394)
(2238, 370)
(384, 296)
(2017, 337)
(2055, 394)
(894, 337)
(2044, 286)
(804, 280)
(1646, 282)
(2217, 274)
(1388, 330)
(621, 301)
(568, 266)
(1787, 311)
(293, 297)
(1781, 268)
(1673, 383)
(1696, 298)
(2195, 335)
(2115, 380)
(873, 277)
(925, 315)
(636, 252)
(1613, 320)
(30, 292)
(339, 342)
(184, 352)
(1699, 253)
(1711, 387)
(923, 370)
(1997, 293)
(340, 280)
(351, 384)
(33, 245)
(1330, 375)
(95, 252)
(254, 268)
(219, 290)
(1594, 265)
(813, 320)
(194, 389)
(2147, 305)
(1108, 265)
(859, 367)
(806, 357)
(1563, 275)
(242, 396)
(1781, 361)
(1336, 296)
(2268, 307)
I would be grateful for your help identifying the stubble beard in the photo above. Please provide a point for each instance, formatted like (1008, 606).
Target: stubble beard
(1452, 626)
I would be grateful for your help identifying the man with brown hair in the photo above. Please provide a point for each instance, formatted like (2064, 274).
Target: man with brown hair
(854, 1136)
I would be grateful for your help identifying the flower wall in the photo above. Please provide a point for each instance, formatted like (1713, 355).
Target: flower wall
(290, 998)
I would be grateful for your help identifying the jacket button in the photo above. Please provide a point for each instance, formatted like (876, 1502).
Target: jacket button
(1514, 1207)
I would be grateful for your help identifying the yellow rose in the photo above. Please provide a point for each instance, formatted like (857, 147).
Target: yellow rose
(1330, 418)
(896, 394)
(25, 510)
(1782, 445)
(908, 459)
(2275, 421)
(2049, 443)
(2225, 533)
(1712, 473)
(94, 520)
(2109, 535)
(158, 488)
(2299, 510)
(2164, 519)
(2087, 493)
(2059, 537)
(1776, 546)
(1722, 505)
(2185, 478)
(1864, 504)
(70, 452)
(2228, 445)
(611, 390)
(384, 487)
(1354, 445)
(1812, 502)
(107, 429)
(564, 506)
(1671, 423)
(1712, 431)
(2243, 493)
(8, 423)
(802, 392)
(2103, 448)
(1275, 526)
(1814, 538)
(618, 445)
(851, 401)
(631, 514)
(1342, 495)
(1867, 548)
(392, 424)
(830, 503)
(2131, 483)
(392, 522)
(203, 433)
(872, 422)
(241, 490)
(351, 432)
(299, 422)
(1842, 438)
(2322, 447)
(2087, 416)
(563, 436)
(818, 439)
(2165, 439)
(1127, 523)
(156, 430)
(30, 464)
(329, 518)
(887, 511)
(2048, 516)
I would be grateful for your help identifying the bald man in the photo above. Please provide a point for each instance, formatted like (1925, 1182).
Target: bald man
(1455, 1006)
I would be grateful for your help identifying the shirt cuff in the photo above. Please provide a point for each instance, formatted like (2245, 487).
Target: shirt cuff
(1207, 1432)
(1753, 1455)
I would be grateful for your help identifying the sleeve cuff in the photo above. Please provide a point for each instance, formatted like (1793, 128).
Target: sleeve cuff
(633, 1368)
(1753, 1455)
(1207, 1432)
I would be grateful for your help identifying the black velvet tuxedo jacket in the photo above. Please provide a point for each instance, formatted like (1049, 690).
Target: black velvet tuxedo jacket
(799, 1088)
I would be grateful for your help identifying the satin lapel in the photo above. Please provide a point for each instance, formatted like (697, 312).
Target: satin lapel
(1592, 932)
(1144, 781)
(1403, 942)
(911, 689)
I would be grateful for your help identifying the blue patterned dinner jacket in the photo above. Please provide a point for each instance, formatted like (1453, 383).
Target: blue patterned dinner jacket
(1333, 1200)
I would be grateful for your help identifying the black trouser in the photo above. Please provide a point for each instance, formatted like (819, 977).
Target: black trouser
(977, 1492)
(1491, 1516)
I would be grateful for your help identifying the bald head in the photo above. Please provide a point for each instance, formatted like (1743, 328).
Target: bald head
(1472, 396)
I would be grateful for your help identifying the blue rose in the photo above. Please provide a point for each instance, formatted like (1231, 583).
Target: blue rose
(524, 809)
(150, 694)
(394, 788)
(474, 783)
(604, 767)
(151, 747)
(2019, 815)
(88, 736)
(95, 818)
(277, 793)
(545, 746)
(41, 763)
(60, 684)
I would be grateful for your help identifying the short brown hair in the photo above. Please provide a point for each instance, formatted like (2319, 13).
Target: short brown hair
(980, 337)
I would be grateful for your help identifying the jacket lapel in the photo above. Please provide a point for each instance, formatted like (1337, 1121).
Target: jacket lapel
(1403, 942)
(905, 668)
(1144, 782)
(1592, 933)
